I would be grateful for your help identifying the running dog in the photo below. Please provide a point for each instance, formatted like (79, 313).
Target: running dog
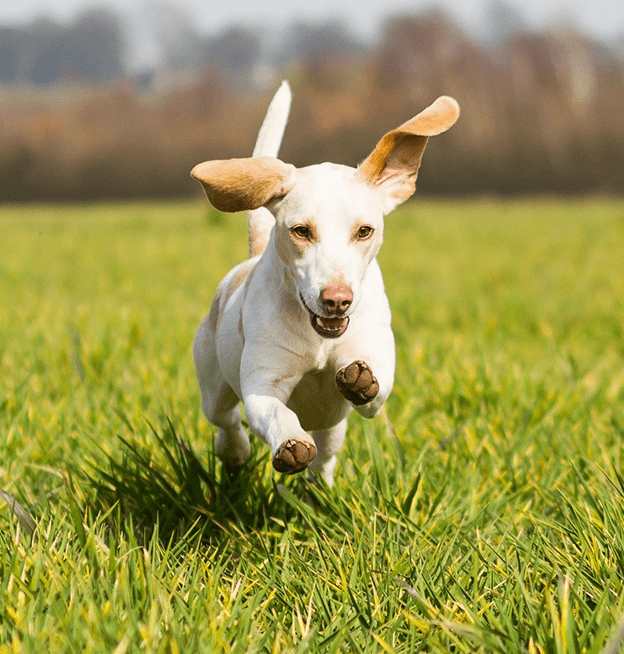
(300, 332)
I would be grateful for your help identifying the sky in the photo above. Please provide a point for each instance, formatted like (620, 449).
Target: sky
(603, 19)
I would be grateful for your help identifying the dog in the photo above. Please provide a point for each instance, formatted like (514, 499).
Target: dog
(300, 332)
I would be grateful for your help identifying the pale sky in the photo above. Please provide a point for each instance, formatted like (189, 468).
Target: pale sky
(601, 18)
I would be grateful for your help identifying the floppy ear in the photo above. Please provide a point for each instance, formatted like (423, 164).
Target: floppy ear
(393, 164)
(243, 184)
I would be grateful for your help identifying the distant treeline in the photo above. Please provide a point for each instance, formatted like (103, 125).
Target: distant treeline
(92, 49)
(541, 112)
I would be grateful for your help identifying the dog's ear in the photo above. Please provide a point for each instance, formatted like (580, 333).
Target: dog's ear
(243, 184)
(393, 165)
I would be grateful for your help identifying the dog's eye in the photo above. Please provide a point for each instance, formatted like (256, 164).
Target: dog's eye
(302, 231)
(364, 232)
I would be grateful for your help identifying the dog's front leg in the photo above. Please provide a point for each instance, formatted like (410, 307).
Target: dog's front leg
(365, 374)
(265, 389)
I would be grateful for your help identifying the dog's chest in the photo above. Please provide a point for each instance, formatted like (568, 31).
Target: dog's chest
(317, 401)
(317, 357)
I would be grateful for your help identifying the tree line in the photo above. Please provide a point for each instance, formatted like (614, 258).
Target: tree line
(541, 111)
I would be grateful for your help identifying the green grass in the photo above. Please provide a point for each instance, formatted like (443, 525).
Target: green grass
(487, 517)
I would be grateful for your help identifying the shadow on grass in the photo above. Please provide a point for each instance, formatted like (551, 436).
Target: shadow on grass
(163, 485)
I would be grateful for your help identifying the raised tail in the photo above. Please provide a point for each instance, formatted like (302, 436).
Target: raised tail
(261, 221)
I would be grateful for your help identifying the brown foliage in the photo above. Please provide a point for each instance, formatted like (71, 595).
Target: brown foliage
(541, 113)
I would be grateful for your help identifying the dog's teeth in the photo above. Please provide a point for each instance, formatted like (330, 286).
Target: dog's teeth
(329, 327)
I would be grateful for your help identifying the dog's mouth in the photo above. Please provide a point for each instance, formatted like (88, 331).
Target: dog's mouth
(327, 327)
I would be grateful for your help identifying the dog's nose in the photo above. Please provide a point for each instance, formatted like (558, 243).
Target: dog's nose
(336, 298)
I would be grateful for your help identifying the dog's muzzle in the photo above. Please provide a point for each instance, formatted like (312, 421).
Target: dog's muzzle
(327, 327)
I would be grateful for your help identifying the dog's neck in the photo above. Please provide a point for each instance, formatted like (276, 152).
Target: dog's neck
(276, 273)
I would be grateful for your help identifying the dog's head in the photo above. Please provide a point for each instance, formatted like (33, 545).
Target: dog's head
(329, 218)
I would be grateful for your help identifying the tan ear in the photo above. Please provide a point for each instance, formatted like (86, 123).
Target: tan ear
(243, 184)
(393, 164)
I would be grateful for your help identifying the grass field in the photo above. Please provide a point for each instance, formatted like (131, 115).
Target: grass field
(488, 518)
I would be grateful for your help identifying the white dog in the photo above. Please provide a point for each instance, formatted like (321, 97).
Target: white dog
(300, 332)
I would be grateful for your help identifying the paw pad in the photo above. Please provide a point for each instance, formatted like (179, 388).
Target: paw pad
(293, 456)
(357, 383)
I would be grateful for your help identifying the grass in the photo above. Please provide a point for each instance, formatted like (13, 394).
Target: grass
(487, 517)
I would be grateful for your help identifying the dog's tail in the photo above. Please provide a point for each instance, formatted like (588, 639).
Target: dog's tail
(261, 220)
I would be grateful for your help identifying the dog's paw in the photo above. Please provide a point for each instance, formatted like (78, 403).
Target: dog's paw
(294, 456)
(357, 383)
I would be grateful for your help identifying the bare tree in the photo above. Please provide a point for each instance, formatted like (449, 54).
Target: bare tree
(235, 51)
(502, 20)
(93, 48)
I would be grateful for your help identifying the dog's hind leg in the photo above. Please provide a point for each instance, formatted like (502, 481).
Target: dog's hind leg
(232, 442)
(218, 401)
(328, 442)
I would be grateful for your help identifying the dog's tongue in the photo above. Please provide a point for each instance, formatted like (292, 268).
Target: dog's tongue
(329, 327)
